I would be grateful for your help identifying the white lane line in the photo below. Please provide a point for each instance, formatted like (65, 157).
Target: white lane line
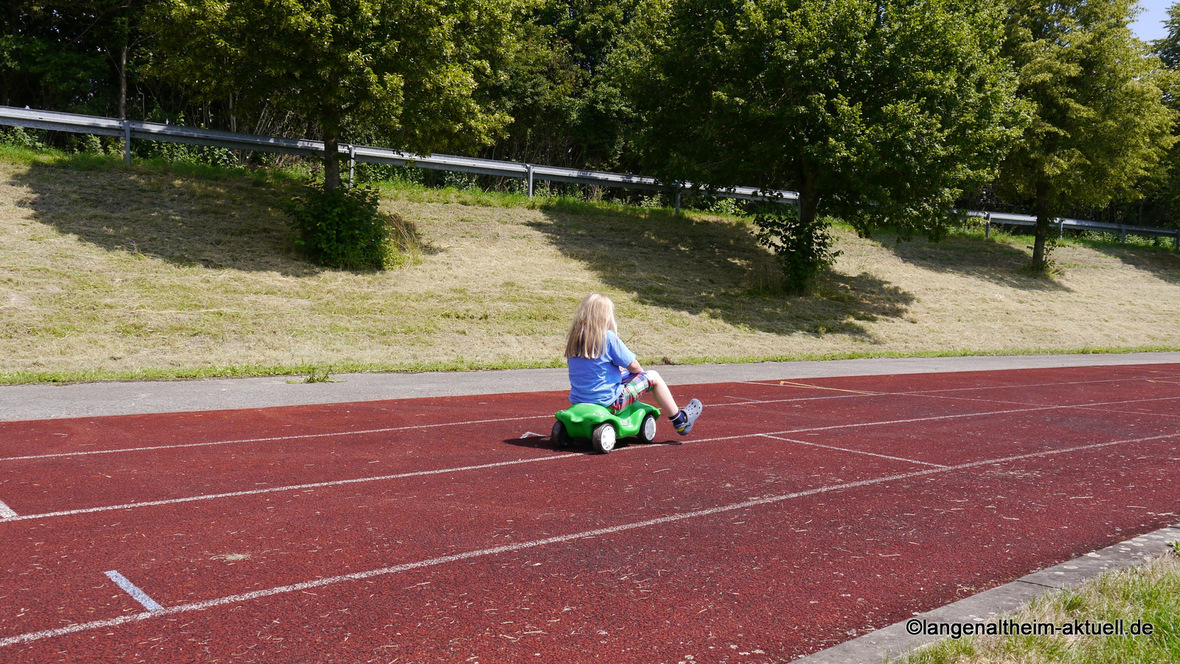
(741, 400)
(935, 396)
(1095, 381)
(279, 489)
(912, 420)
(560, 539)
(271, 439)
(1130, 412)
(6, 511)
(547, 416)
(442, 471)
(133, 590)
(851, 451)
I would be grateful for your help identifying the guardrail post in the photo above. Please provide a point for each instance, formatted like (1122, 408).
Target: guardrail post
(1176, 242)
(127, 142)
(530, 169)
(1060, 228)
(677, 200)
(351, 163)
(1123, 232)
(987, 228)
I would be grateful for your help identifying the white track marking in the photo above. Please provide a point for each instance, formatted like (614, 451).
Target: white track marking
(932, 418)
(929, 396)
(272, 439)
(6, 511)
(547, 416)
(741, 401)
(133, 590)
(279, 489)
(977, 387)
(560, 539)
(1129, 412)
(442, 471)
(845, 449)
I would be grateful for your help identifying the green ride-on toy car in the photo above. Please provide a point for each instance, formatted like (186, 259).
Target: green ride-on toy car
(589, 421)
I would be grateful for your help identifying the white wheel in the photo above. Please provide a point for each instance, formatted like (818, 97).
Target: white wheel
(603, 438)
(647, 430)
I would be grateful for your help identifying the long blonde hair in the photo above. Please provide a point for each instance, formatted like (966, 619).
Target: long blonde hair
(595, 315)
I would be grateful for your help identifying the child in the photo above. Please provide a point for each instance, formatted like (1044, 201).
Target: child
(604, 371)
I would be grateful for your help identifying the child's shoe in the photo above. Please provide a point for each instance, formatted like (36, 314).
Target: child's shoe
(687, 415)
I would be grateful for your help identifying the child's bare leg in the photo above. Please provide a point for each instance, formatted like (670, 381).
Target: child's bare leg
(682, 419)
(662, 394)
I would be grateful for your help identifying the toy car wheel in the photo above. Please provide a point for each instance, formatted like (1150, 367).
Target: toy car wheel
(647, 430)
(559, 436)
(603, 438)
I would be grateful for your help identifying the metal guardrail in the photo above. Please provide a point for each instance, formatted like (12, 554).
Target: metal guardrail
(1011, 219)
(134, 129)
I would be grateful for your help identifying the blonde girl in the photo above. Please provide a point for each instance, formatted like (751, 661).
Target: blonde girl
(604, 371)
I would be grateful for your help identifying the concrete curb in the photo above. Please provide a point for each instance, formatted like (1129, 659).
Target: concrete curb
(34, 402)
(895, 641)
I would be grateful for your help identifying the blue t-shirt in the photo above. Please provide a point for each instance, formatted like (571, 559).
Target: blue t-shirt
(600, 381)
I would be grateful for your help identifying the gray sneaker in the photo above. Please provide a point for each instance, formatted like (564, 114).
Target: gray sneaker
(691, 412)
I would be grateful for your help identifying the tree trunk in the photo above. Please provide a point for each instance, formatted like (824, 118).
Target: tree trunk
(123, 83)
(1041, 235)
(330, 125)
(331, 160)
(808, 198)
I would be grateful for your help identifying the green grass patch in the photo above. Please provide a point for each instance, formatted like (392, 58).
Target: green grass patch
(1139, 595)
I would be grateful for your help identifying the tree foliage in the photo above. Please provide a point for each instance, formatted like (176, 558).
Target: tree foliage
(1165, 187)
(411, 72)
(565, 108)
(1099, 123)
(880, 109)
(65, 55)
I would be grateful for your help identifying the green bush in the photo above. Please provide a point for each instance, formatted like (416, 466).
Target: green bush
(341, 227)
(21, 138)
(803, 250)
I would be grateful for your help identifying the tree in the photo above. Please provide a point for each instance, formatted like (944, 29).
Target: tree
(52, 56)
(409, 71)
(1168, 48)
(565, 110)
(1166, 194)
(883, 110)
(1099, 122)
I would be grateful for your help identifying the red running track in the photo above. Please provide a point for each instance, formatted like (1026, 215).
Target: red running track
(797, 515)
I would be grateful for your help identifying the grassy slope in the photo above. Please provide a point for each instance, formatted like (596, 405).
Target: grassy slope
(150, 271)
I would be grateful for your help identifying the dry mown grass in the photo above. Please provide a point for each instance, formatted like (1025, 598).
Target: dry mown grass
(125, 272)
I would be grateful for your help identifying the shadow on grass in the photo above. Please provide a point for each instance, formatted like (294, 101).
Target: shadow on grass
(1162, 263)
(708, 267)
(975, 257)
(235, 222)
